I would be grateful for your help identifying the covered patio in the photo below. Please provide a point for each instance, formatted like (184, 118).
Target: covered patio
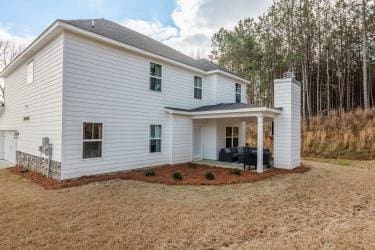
(232, 165)
(219, 126)
(224, 125)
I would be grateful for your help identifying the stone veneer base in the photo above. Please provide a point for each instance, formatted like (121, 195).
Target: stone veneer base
(38, 164)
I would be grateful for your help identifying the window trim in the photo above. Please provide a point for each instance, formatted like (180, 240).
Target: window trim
(232, 137)
(156, 77)
(238, 93)
(155, 138)
(27, 71)
(91, 140)
(196, 87)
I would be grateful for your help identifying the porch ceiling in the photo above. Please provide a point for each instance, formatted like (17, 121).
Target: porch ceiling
(227, 110)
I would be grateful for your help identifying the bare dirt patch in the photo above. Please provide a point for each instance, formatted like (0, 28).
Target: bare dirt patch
(328, 207)
(192, 174)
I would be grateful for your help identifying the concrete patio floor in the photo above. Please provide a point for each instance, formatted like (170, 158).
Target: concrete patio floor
(231, 165)
(5, 164)
(220, 164)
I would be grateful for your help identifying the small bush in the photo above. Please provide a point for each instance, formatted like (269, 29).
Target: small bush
(150, 172)
(344, 163)
(236, 171)
(177, 175)
(301, 196)
(192, 165)
(209, 176)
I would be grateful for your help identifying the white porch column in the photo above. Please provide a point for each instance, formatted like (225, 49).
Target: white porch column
(260, 144)
(242, 134)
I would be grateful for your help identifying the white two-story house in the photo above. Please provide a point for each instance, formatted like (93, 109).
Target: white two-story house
(90, 97)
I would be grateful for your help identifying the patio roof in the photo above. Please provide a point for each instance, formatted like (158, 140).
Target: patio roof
(226, 110)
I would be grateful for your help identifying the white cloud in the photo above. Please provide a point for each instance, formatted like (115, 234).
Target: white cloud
(153, 29)
(197, 20)
(6, 35)
(16, 41)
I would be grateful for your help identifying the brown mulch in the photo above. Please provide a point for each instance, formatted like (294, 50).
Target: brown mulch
(193, 174)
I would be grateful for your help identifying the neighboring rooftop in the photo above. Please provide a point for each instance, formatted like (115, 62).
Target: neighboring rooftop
(130, 37)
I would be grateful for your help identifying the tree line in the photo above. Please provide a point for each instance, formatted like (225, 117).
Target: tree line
(329, 45)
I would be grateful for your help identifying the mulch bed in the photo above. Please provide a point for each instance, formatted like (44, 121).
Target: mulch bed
(192, 174)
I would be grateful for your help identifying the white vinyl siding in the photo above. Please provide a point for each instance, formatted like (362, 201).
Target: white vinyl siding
(78, 80)
(112, 86)
(109, 85)
(209, 138)
(287, 125)
(41, 101)
(182, 139)
(30, 72)
(2, 144)
(226, 90)
(214, 135)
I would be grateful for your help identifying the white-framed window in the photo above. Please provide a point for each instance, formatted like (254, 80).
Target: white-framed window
(92, 140)
(30, 72)
(155, 138)
(155, 76)
(231, 137)
(197, 87)
(238, 93)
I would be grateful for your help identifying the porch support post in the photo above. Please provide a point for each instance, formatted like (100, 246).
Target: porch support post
(242, 139)
(260, 144)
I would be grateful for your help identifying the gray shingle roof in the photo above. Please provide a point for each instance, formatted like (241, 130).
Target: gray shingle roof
(220, 106)
(130, 37)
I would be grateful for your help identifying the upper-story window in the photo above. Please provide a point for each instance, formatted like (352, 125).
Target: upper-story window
(197, 87)
(155, 77)
(30, 72)
(238, 93)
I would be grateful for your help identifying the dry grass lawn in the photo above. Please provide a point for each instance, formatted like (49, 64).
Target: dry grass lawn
(331, 206)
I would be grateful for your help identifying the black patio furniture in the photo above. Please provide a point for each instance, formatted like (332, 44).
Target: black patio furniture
(246, 155)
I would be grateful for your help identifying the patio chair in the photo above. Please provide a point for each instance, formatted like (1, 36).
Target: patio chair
(250, 156)
(243, 151)
(228, 155)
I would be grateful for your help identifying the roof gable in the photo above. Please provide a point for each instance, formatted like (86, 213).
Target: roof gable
(130, 37)
(119, 34)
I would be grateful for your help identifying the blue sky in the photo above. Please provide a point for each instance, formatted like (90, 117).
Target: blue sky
(186, 25)
(24, 17)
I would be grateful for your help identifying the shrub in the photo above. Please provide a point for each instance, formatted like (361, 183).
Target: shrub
(236, 171)
(192, 165)
(177, 175)
(209, 175)
(150, 172)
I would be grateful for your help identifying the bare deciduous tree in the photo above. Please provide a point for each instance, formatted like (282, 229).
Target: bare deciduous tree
(9, 50)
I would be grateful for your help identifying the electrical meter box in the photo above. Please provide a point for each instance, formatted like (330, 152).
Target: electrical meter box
(45, 142)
